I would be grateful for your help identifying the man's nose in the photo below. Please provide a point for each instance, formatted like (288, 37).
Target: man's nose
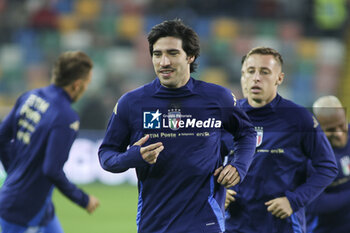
(256, 77)
(165, 61)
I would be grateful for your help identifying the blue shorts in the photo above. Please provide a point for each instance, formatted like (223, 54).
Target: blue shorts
(53, 226)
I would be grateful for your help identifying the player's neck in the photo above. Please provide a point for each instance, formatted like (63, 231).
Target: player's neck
(258, 103)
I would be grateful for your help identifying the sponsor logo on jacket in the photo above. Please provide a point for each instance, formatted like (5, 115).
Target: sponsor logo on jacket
(174, 120)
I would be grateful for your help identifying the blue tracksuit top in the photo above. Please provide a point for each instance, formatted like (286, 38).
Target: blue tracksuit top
(38, 134)
(179, 192)
(287, 137)
(332, 207)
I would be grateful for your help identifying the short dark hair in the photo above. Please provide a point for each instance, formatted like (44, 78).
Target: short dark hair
(69, 67)
(264, 51)
(176, 28)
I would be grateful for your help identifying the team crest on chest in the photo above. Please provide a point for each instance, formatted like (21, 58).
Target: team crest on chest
(174, 117)
(259, 135)
(345, 164)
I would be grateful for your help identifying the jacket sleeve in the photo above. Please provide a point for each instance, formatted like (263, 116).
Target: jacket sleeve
(330, 202)
(114, 154)
(317, 147)
(241, 128)
(59, 143)
(6, 136)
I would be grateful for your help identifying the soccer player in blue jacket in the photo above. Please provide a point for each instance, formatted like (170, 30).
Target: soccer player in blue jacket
(38, 134)
(332, 208)
(272, 197)
(170, 131)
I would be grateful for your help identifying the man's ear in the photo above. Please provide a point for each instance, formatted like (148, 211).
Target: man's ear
(190, 59)
(76, 84)
(280, 79)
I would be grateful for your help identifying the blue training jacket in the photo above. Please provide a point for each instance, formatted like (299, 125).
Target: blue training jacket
(37, 134)
(287, 137)
(179, 192)
(332, 208)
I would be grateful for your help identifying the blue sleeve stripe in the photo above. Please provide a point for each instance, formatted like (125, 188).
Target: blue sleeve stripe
(139, 207)
(215, 206)
(295, 224)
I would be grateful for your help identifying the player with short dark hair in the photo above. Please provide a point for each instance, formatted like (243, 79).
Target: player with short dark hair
(173, 127)
(38, 134)
(272, 197)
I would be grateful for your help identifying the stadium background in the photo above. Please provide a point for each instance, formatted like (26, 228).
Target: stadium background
(312, 35)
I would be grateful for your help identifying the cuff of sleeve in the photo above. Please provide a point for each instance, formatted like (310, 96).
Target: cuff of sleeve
(135, 157)
(293, 200)
(85, 200)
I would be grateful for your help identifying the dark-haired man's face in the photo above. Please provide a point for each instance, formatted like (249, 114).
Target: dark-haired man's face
(170, 62)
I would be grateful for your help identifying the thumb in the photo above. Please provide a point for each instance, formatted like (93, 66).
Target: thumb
(142, 140)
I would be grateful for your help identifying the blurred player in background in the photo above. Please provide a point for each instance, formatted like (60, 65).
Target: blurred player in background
(243, 81)
(38, 134)
(173, 126)
(2, 175)
(332, 208)
(272, 196)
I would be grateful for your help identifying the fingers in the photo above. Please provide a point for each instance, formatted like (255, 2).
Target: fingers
(273, 208)
(218, 170)
(279, 207)
(152, 146)
(268, 203)
(228, 176)
(276, 211)
(229, 197)
(142, 140)
(151, 152)
(231, 192)
(93, 204)
(227, 203)
(235, 180)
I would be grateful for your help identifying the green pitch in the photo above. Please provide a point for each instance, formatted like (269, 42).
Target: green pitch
(116, 213)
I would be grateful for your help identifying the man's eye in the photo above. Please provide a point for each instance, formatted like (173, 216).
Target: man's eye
(265, 72)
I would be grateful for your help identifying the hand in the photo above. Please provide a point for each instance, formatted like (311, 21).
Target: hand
(279, 207)
(151, 152)
(229, 197)
(228, 176)
(93, 204)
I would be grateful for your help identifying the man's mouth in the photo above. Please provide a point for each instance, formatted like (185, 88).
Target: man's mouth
(255, 89)
(166, 72)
